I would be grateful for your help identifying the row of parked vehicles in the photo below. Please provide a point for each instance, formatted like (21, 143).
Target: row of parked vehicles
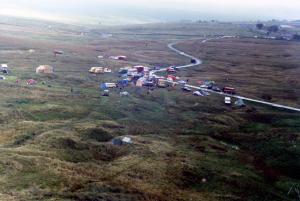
(196, 93)
(227, 100)
(212, 86)
(227, 90)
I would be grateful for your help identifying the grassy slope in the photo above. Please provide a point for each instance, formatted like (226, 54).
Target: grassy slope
(55, 145)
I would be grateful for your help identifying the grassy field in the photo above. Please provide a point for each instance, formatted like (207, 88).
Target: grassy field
(257, 68)
(56, 144)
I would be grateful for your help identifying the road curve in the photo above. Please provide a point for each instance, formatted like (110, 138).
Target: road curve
(199, 62)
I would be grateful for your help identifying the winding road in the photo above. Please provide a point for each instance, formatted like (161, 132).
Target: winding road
(199, 62)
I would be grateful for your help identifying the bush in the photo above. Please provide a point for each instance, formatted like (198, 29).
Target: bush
(98, 134)
(281, 156)
(20, 140)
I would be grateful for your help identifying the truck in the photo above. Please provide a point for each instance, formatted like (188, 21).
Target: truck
(229, 90)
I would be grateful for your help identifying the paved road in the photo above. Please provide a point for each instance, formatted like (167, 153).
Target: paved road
(171, 46)
(199, 62)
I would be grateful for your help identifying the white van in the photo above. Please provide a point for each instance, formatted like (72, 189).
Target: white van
(227, 100)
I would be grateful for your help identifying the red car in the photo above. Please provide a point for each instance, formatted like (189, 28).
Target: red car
(229, 90)
(171, 70)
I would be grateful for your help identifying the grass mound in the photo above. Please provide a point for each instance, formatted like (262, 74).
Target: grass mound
(98, 191)
(98, 134)
(68, 143)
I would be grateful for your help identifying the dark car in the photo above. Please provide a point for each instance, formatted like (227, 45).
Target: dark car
(105, 93)
(187, 89)
(177, 68)
(193, 61)
(210, 86)
(216, 89)
(148, 84)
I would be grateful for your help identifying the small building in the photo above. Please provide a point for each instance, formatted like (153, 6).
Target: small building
(44, 69)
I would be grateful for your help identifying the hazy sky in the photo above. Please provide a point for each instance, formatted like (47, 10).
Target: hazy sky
(139, 11)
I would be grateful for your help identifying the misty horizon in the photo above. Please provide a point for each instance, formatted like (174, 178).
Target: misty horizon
(135, 12)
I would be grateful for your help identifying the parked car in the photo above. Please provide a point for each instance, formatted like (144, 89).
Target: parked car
(198, 93)
(171, 70)
(193, 61)
(124, 93)
(216, 89)
(187, 89)
(181, 82)
(176, 68)
(148, 84)
(105, 93)
(205, 93)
